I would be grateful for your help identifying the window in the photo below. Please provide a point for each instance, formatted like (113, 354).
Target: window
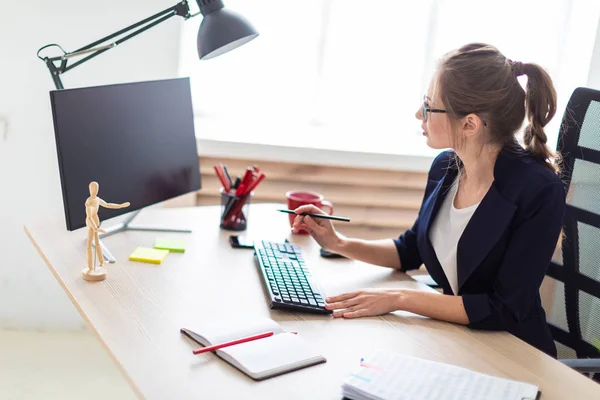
(349, 75)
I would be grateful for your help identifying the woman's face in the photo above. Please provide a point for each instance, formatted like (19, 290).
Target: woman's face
(436, 125)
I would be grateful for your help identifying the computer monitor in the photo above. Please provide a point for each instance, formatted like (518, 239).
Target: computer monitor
(137, 140)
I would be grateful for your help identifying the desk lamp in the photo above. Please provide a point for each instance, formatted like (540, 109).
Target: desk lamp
(221, 30)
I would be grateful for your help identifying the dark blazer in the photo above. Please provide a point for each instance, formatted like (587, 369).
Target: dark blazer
(505, 249)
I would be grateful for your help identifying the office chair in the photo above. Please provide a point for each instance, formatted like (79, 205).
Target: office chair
(573, 279)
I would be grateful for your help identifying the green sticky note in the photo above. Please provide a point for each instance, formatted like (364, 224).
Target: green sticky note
(596, 342)
(153, 256)
(177, 245)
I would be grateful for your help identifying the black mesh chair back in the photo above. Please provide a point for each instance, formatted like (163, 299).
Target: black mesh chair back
(572, 287)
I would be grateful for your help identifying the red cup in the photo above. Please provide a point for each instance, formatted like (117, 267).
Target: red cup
(297, 198)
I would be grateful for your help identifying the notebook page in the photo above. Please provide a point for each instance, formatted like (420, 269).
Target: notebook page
(392, 376)
(272, 355)
(223, 330)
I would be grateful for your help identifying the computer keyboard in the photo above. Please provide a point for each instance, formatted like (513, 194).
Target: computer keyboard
(287, 278)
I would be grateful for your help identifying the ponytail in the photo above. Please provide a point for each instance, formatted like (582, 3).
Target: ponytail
(540, 107)
(477, 78)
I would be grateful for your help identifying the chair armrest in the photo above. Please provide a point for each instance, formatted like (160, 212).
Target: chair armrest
(583, 365)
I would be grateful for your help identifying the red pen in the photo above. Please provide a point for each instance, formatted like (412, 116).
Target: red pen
(245, 182)
(254, 184)
(233, 342)
(221, 175)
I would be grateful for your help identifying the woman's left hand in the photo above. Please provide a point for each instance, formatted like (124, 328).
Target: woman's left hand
(364, 303)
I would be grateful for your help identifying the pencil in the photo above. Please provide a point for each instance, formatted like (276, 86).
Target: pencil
(232, 342)
(324, 216)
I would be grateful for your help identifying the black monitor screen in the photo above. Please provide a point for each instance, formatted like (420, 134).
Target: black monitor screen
(136, 140)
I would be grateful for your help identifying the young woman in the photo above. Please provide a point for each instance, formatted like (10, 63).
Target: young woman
(492, 211)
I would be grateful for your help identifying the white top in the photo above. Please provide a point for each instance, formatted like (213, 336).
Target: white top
(445, 232)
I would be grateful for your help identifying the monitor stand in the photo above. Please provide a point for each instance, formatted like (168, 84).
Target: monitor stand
(125, 226)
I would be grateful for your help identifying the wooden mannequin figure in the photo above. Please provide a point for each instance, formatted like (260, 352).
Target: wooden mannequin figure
(92, 203)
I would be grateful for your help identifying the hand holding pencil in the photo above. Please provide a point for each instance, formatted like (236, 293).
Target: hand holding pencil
(320, 228)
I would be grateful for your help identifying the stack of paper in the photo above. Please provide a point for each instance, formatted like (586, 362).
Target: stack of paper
(392, 376)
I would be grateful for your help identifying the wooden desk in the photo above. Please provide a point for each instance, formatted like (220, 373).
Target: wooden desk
(137, 311)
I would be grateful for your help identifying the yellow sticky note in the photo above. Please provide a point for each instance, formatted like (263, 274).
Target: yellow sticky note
(176, 245)
(144, 254)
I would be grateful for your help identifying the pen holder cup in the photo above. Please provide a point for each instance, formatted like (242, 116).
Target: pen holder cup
(234, 210)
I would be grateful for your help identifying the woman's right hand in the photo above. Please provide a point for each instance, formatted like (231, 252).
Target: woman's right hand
(319, 228)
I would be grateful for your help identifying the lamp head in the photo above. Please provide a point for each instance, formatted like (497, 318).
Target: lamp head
(221, 30)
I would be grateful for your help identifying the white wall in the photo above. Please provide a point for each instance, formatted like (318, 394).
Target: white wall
(594, 77)
(29, 294)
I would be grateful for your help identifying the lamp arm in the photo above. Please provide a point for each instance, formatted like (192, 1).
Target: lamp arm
(182, 9)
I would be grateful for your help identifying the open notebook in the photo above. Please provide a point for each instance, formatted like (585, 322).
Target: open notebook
(259, 359)
(392, 376)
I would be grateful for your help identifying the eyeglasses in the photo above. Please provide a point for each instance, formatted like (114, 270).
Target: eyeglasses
(437, 110)
(428, 109)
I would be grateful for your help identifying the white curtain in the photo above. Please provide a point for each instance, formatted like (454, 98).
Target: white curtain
(349, 74)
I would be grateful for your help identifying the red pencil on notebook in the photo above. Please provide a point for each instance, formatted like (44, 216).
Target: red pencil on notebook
(233, 342)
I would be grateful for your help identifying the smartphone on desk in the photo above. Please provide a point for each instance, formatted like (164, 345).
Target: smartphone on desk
(244, 242)
(241, 242)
